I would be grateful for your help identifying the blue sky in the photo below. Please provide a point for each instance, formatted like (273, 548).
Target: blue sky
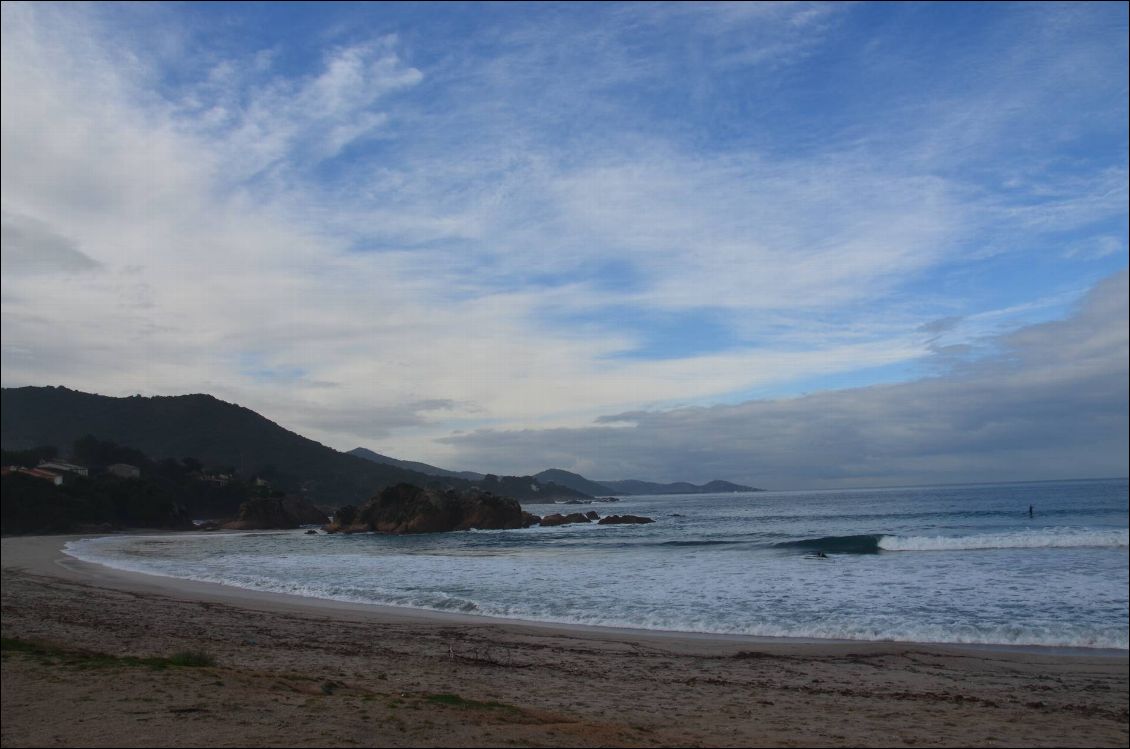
(457, 232)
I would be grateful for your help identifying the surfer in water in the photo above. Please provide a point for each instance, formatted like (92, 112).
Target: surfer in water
(1031, 511)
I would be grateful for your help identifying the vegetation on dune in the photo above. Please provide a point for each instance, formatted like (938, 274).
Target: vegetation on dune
(77, 658)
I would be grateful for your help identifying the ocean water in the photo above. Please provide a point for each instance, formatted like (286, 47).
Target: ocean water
(951, 564)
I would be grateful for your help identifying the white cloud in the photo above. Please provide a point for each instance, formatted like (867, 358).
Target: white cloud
(1051, 403)
(418, 276)
(29, 246)
(267, 122)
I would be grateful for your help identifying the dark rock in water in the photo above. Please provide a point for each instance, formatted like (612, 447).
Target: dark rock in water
(607, 499)
(208, 525)
(592, 515)
(405, 508)
(577, 502)
(559, 519)
(271, 513)
(529, 519)
(619, 519)
(311, 532)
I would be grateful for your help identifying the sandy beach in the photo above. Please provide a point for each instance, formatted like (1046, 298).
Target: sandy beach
(83, 643)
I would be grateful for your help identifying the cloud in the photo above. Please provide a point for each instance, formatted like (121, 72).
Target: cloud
(268, 122)
(494, 219)
(1050, 403)
(30, 246)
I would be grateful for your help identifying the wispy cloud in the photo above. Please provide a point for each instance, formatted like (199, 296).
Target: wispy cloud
(263, 121)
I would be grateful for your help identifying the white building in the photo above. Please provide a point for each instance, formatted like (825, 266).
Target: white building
(125, 470)
(58, 465)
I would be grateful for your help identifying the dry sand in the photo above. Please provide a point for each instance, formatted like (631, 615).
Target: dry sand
(295, 672)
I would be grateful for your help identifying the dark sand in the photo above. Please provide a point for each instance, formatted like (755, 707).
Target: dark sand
(299, 672)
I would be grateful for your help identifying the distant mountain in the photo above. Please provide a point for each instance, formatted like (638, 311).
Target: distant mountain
(219, 434)
(522, 488)
(413, 465)
(528, 488)
(575, 481)
(631, 486)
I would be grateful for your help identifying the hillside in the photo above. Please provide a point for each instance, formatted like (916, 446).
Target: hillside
(217, 433)
(524, 488)
(574, 481)
(413, 465)
(631, 486)
(528, 488)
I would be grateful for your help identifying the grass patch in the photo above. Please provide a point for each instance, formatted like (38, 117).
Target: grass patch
(191, 659)
(13, 645)
(455, 700)
(90, 659)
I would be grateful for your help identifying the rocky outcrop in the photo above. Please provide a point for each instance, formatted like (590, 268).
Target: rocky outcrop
(620, 519)
(405, 508)
(529, 519)
(304, 512)
(275, 513)
(559, 519)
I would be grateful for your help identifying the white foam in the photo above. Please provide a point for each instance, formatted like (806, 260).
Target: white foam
(1060, 538)
(687, 600)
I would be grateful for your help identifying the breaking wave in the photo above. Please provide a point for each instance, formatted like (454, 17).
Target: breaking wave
(1058, 538)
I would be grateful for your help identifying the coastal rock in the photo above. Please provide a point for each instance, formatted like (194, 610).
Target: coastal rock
(345, 520)
(621, 519)
(592, 515)
(405, 508)
(275, 513)
(559, 519)
(529, 519)
(304, 512)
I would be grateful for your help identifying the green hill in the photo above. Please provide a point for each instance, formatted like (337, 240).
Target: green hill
(574, 481)
(219, 434)
(413, 465)
(632, 486)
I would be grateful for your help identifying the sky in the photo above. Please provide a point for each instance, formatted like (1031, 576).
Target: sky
(785, 244)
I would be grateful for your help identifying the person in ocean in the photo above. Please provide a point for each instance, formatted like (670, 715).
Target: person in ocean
(1031, 511)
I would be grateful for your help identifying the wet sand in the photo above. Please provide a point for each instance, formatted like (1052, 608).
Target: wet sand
(292, 671)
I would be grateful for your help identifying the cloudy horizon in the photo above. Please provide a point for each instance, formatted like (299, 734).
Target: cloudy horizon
(785, 244)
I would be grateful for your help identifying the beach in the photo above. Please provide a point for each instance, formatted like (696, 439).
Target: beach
(292, 671)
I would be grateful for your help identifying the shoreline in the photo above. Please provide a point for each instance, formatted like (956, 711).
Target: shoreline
(38, 548)
(295, 671)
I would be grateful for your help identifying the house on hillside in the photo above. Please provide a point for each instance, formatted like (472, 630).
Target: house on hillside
(219, 479)
(58, 466)
(124, 470)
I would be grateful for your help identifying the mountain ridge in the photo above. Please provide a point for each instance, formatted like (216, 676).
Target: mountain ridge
(218, 433)
(414, 465)
(241, 441)
(717, 486)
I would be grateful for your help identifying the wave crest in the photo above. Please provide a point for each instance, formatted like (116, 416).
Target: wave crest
(873, 543)
(1050, 538)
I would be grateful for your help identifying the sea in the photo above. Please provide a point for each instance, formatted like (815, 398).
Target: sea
(940, 564)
